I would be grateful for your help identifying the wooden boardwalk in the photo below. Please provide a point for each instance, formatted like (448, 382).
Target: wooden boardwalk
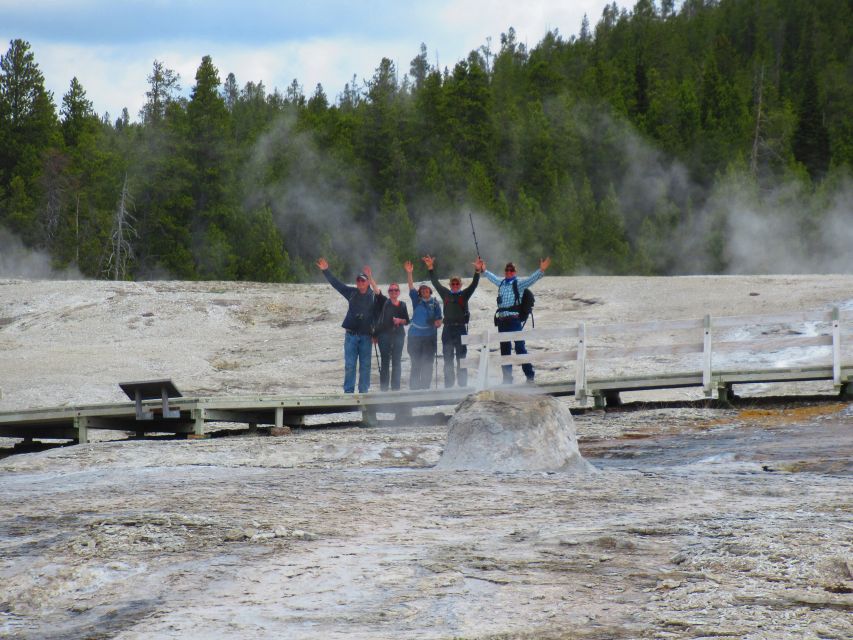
(822, 341)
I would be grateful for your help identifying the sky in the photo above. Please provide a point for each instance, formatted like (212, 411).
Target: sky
(110, 46)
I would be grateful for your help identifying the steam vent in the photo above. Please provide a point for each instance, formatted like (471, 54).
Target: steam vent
(506, 431)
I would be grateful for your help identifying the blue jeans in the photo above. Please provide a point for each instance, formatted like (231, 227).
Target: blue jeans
(391, 354)
(513, 324)
(357, 349)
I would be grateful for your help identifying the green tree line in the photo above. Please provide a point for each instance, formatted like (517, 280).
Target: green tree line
(598, 149)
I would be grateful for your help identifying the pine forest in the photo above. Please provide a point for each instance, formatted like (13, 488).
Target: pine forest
(708, 137)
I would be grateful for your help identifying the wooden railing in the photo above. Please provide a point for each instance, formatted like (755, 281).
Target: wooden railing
(706, 336)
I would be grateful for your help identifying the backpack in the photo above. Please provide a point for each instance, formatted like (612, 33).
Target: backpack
(461, 301)
(525, 305)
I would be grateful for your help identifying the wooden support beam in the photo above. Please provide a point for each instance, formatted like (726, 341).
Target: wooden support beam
(725, 394)
(81, 424)
(368, 417)
(706, 356)
(198, 416)
(836, 348)
(606, 398)
(580, 374)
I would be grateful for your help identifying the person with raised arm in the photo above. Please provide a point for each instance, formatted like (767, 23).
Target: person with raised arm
(392, 316)
(426, 318)
(358, 325)
(510, 291)
(456, 317)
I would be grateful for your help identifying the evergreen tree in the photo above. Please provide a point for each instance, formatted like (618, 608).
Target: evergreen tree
(164, 84)
(28, 128)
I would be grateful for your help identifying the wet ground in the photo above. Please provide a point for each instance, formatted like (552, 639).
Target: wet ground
(801, 437)
(704, 523)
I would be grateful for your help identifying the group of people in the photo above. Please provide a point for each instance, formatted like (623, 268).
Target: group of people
(373, 318)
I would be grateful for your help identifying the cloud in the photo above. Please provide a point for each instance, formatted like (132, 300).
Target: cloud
(110, 46)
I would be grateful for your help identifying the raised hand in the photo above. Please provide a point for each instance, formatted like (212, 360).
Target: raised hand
(544, 263)
(408, 266)
(479, 265)
(368, 272)
(429, 261)
(322, 264)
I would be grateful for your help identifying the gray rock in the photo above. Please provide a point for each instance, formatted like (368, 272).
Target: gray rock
(511, 431)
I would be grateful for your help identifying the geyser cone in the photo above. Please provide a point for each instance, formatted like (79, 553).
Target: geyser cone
(511, 431)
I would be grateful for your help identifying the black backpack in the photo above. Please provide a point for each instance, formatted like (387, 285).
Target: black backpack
(525, 305)
(458, 298)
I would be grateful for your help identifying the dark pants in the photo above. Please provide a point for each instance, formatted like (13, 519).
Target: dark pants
(454, 352)
(390, 355)
(422, 353)
(513, 324)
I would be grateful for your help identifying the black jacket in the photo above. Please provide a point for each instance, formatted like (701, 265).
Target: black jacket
(360, 317)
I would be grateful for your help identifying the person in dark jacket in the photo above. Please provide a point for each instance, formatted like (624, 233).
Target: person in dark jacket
(456, 316)
(423, 332)
(392, 316)
(358, 324)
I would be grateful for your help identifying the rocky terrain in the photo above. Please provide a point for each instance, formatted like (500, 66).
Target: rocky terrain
(704, 522)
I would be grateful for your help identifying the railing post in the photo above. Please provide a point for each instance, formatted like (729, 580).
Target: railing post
(836, 348)
(580, 374)
(706, 357)
(483, 368)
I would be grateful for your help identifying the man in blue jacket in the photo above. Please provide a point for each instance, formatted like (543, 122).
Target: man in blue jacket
(358, 324)
(510, 290)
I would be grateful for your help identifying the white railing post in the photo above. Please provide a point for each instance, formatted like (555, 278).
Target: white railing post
(706, 357)
(580, 374)
(836, 348)
(483, 368)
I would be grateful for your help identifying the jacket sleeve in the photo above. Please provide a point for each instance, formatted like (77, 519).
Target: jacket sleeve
(439, 288)
(405, 312)
(378, 307)
(491, 277)
(469, 290)
(524, 283)
(341, 288)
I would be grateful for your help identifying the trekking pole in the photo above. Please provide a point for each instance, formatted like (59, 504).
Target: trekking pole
(378, 362)
(474, 233)
(436, 370)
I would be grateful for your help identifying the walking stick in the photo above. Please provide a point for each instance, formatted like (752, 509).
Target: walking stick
(474, 233)
(436, 369)
(378, 361)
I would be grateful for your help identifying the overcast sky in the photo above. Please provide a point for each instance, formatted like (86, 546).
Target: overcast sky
(110, 45)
